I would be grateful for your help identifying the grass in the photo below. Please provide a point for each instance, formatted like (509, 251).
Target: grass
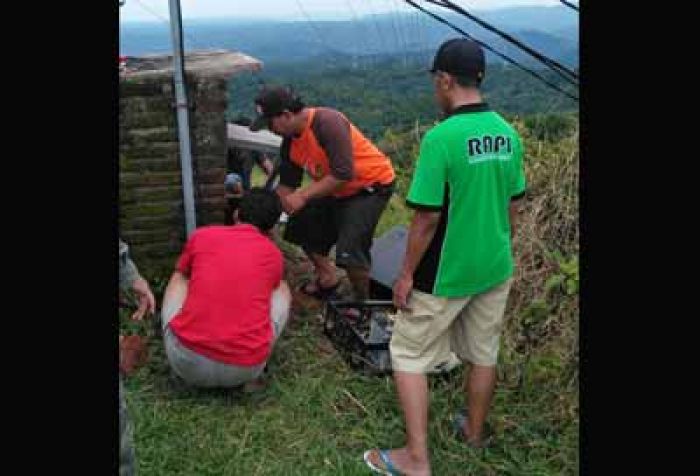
(317, 416)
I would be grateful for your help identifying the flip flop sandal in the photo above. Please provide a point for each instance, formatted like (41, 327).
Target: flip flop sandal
(389, 468)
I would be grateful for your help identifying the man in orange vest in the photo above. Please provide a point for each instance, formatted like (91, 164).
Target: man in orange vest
(351, 183)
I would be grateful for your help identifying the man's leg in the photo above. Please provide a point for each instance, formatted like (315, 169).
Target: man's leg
(324, 269)
(413, 396)
(420, 343)
(476, 336)
(280, 303)
(173, 298)
(357, 218)
(479, 384)
(313, 229)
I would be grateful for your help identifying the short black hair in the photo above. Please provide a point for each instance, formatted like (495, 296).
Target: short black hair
(260, 207)
(467, 81)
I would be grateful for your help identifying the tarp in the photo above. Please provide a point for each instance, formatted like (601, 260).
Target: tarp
(243, 138)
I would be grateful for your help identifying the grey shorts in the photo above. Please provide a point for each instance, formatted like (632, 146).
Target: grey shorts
(348, 223)
(201, 371)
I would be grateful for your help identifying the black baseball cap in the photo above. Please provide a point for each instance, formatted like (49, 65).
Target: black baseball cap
(460, 57)
(272, 101)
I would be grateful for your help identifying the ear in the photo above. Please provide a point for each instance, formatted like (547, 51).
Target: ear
(448, 81)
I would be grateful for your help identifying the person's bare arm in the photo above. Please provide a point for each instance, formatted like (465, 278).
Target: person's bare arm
(294, 202)
(420, 234)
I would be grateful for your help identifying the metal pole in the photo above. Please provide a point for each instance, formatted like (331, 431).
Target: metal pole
(183, 122)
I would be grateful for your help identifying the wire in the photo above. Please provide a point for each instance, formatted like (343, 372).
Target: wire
(366, 40)
(317, 32)
(569, 4)
(373, 15)
(484, 45)
(555, 65)
(166, 21)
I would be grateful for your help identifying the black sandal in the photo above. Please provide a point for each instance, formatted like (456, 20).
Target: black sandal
(321, 293)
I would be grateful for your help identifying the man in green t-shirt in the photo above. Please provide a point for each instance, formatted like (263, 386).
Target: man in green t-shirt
(458, 267)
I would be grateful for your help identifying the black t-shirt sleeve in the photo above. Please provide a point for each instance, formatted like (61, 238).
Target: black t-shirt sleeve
(291, 174)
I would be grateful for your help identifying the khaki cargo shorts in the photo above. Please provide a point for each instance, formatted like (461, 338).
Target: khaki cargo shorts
(427, 338)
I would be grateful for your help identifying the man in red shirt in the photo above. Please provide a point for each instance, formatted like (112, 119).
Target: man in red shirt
(226, 303)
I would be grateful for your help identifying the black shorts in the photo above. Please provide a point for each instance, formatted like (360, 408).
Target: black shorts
(348, 223)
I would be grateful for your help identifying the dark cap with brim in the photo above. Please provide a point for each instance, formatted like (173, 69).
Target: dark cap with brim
(270, 102)
(460, 57)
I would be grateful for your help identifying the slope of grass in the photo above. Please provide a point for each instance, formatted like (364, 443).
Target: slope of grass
(317, 416)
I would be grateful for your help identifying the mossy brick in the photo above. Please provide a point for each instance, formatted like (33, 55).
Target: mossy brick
(142, 165)
(138, 237)
(211, 175)
(214, 189)
(204, 143)
(204, 162)
(209, 145)
(143, 87)
(211, 105)
(149, 209)
(149, 194)
(156, 266)
(217, 130)
(146, 105)
(200, 118)
(211, 86)
(148, 120)
(215, 133)
(159, 252)
(217, 197)
(215, 150)
(208, 204)
(157, 249)
(148, 136)
(154, 226)
(143, 148)
(150, 178)
(216, 218)
(145, 134)
(174, 218)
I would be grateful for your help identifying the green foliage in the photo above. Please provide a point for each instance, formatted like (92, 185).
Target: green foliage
(549, 126)
(397, 95)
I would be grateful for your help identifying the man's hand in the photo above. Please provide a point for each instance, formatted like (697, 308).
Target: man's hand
(293, 202)
(146, 300)
(402, 290)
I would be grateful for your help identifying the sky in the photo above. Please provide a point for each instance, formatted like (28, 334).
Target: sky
(152, 10)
